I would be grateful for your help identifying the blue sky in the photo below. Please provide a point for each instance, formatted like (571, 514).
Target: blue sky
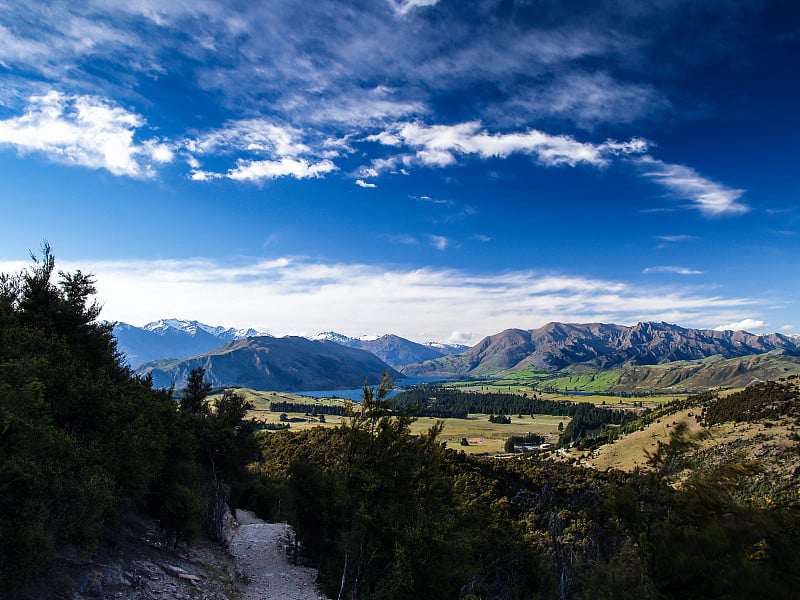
(436, 169)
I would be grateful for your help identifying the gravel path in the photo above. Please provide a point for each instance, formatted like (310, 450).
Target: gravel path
(259, 549)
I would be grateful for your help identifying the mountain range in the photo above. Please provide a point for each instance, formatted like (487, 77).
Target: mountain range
(172, 338)
(168, 349)
(596, 347)
(176, 338)
(269, 363)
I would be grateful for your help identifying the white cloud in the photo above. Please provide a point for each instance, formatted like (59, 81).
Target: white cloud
(401, 238)
(292, 294)
(709, 197)
(439, 242)
(402, 7)
(393, 164)
(16, 50)
(787, 327)
(676, 239)
(672, 269)
(257, 136)
(439, 145)
(361, 108)
(461, 337)
(364, 184)
(743, 325)
(285, 152)
(259, 170)
(85, 131)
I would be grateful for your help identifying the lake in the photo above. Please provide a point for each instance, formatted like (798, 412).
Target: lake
(357, 394)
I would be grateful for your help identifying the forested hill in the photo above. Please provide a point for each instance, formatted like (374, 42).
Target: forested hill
(269, 363)
(597, 346)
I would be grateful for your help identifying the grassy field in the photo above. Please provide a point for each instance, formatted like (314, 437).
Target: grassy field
(483, 437)
(504, 387)
(586, 382)
(489, 438)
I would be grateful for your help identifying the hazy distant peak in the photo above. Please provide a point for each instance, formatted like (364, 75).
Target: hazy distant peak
(332, 336)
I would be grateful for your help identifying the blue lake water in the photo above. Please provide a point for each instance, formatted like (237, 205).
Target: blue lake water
(357, 394)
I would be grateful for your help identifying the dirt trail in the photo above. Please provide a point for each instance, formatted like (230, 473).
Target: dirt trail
(259, 549)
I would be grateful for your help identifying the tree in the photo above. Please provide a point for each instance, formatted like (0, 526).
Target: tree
(374, 510)
(80, 436)
(195, 393)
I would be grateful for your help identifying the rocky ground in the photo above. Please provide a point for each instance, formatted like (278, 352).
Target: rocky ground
(261, 552)
(133, 562)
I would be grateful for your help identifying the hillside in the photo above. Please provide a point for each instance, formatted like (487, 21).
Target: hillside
(267, 363)
(679, 376)
(597, 347)
(755, 427)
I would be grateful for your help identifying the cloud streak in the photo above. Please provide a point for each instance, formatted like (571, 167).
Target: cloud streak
(440, 145)
(709, 197)
(672, 269)
(403, 7)
(289, 294)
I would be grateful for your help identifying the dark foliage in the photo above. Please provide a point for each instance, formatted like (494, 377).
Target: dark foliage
(307, 408)
(769, 400)
(81, 438)
(500, 419)
(436, 401)
(387, 515)
(529, 439)
(589, 420)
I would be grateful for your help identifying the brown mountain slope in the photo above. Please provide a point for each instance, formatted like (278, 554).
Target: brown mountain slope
(598, 346)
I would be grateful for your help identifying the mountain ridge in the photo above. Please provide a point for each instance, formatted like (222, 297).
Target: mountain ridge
(289, 363)
(172, 338)
(393, 349)
(596, 347)
(181, 338)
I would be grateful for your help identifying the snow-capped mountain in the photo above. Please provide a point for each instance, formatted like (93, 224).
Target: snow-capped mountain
(162, 326)
(173, 338)
(332, 336)
(180, 338)
(392, 349)
(447, 349)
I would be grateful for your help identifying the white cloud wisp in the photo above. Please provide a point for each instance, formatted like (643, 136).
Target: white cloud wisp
(709, 197)
(296, 295)
(672, 269)
(743, 325)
